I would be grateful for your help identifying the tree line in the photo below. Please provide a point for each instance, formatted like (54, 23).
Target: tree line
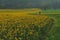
(43, 4)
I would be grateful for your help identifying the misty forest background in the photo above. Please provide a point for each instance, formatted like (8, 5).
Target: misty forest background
(43, 4)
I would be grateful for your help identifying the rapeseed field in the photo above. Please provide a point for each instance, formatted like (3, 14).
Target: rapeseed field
(22, 26)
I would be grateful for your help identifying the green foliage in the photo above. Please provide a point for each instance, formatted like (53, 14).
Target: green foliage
(55, 33)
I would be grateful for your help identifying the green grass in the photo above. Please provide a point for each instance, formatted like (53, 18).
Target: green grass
(56, 17)
(52, 11)
(55, 33)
